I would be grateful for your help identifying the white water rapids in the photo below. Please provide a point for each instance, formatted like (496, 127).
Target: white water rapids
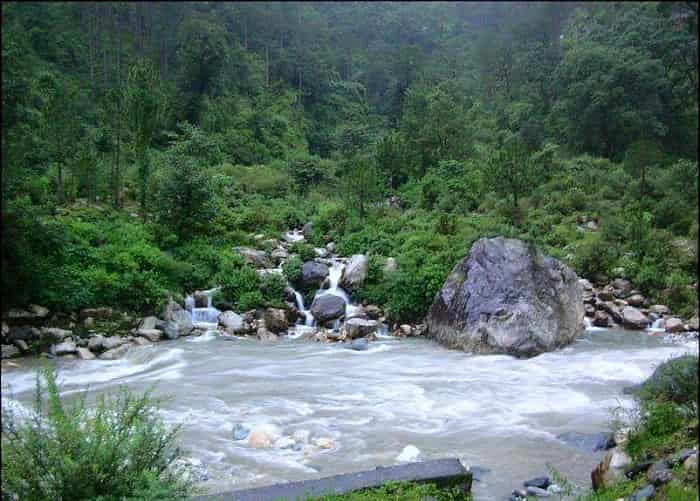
(492, 411)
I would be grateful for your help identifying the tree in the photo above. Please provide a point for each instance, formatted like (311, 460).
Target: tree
(145, 105)
(513, 173)
(361, 184)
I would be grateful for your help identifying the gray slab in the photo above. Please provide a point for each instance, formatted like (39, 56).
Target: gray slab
(443, 472)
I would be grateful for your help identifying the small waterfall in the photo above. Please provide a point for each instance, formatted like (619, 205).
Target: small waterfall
(308, 317)
(658, 325)
(203, 318)
(293, 236)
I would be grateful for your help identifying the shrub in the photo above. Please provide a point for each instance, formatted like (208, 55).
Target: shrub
(292, 269)
(272, 290)
(119, 450)
(303, 250)
(240, 285)
(674, 381)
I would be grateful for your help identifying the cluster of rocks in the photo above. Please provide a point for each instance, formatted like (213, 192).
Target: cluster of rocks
(541, 487)
(616, 465)
(270, 436)
(618, 304)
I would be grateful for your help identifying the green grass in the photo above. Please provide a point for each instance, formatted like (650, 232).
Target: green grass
(403, 491)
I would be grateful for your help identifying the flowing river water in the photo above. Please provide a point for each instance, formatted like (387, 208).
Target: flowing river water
(493, 411)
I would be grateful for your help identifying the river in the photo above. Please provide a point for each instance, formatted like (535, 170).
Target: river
(493, 411)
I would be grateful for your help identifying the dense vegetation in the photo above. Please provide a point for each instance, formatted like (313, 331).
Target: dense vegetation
(666, 423)
(142, 141)
(118, 450)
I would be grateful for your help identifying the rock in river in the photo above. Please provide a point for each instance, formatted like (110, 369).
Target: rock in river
(355, 272)
(508, 297)
(327, 307)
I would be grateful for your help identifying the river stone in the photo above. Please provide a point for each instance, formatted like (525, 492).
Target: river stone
(601, 319)
(674, 324)
(177, 321)
(115, 353)
(149, 322)
(691, 462)
(539, 482)
(645, 492)
(84, 354)
(359, 327)
(276, 320)
(33, 313)
(254, 257)
(265, 335)
(507, 297)
(152, 335)
(260, 439)
(9, 351)
(659, 473)
(537, 492)
(632, 318)
(22, 345)
(63, 348)
(680, 456)
(327, 307)
(589, 442)
(23, 332)
(112, 342)
(354, 273)
(307, 229)
(659, 309)
(55, 334)
(610, 469)
(622, 287)
(313, 273)
(232, 322)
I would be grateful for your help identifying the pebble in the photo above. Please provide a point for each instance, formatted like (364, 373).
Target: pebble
(645, 492)
(539, 482)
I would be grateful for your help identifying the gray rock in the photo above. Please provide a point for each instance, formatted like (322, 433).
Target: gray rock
(84, 354)
(307, 229)
(354, 273)
(33, 313)
(115, 353)
(610, 469)
(95, 343)
(254, 257)
(112, 342)
(265, 335)
(313, 273)
(103, 313)
(240, 432)
(327, 307)
(141, 341)
(177, 322)
(359, 327)
(279, 255)
(538, 482)
(149, 323)
(622, 287)
(9, 351)
(632, 318)
(680, 456)
(330, 247)
(63, 348)
(659, 473)
(589, 442)
(55, 334)
(507, 297)
(276, 320)
(601, 319)
(389, 266)
(674, 324)
(152, 335)
(232, 322)
(645, 492)
(360, 344)
(22, 345)
(659, 309)
(23, 332)
(636, 300)
(536, 491)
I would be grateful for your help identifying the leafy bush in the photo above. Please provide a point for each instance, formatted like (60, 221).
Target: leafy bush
(303, 250)
(118, 450)
(674, 381)
(292, 269)
(240, 285)
(272, 290)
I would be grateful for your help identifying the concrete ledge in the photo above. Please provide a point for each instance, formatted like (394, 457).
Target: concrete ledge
(443, 472)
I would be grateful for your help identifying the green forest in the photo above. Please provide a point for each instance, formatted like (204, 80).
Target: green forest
(143, 141)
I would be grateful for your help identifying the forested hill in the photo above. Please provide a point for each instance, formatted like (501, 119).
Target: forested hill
(141, 141)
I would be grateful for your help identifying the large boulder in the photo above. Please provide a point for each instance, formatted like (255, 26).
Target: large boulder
(506, 296)
(23, 333)
(327, 307)
(359, 327)
(354, 273)
(276, 320)
(610, 469)
(313, 273)
(33, 314)
(233, 323)
(256, 258)
(674, 324)
(177, 322)
(632, 318)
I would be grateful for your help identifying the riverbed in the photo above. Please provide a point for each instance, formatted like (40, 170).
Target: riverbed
(491, 411)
